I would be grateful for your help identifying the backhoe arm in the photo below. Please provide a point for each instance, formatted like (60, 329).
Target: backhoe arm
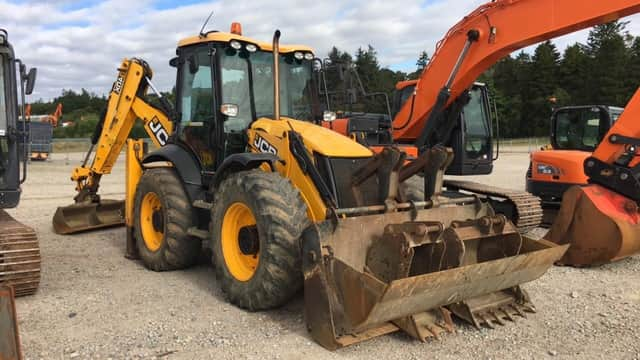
(125, 106)
(488, 34)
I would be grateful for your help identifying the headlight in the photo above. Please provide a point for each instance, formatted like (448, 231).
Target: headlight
(235, 44)
(308, 56)
(298, 55)
(251, 48)
(547, 169)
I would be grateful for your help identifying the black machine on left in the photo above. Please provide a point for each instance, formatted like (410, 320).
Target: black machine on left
(19, 250)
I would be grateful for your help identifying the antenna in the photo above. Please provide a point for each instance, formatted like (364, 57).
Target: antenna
(202, 34)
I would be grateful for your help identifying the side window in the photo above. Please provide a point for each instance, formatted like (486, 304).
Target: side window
(477, 133)
(197, 90)
(197, 106)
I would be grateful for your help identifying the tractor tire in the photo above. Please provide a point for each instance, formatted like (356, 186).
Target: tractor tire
(256, 223)
(162, 215)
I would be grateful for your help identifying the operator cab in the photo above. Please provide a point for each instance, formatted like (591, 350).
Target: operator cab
(225, 83)
(11, 134)
(582, 127)
(472, 138)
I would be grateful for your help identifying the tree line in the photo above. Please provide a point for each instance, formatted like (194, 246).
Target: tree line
(525, 87)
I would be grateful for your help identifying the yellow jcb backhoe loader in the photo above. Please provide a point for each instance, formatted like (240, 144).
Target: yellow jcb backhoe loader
(281, 201)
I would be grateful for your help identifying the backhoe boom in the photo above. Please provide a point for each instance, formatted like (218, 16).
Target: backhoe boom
(126, 104)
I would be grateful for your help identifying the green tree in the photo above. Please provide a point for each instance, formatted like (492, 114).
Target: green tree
(542, 84)
(421, 63)
(609, 54)
(574, 67)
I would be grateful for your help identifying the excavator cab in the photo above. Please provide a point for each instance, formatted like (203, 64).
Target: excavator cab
(11, 128)
(471, 138)
(19, 250)
(576, 131)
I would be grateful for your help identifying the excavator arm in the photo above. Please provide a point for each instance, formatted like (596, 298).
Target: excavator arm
(478, 41)
(125, 106)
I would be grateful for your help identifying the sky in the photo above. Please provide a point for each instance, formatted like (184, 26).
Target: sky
(79, 44)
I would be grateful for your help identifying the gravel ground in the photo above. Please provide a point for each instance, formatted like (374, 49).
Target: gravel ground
(93, 303)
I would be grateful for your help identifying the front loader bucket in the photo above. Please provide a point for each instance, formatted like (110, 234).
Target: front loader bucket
(600, 226)
(369, 275)
(88, 216)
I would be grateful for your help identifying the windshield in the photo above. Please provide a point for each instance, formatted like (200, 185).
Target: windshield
(477, 133)
(579, 129)
(247, 81)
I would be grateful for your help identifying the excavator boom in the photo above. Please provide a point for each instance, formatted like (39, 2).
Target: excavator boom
(483, 37)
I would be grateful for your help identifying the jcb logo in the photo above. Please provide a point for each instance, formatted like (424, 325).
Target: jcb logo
(117, 86)
(158, 131)
(263, 146)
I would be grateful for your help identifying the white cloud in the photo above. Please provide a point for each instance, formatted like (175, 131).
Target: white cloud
(81, 47)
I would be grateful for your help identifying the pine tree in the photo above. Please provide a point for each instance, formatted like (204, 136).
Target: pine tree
(542, 84)
(607, 48)
(421, 63)
(574, 67)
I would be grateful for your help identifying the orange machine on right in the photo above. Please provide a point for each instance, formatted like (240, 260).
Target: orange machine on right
(601, 220)
(575, 133)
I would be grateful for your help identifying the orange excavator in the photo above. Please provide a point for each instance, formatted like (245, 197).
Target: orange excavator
(575, 133)
(431, 116)
(48, 118)
(40, 129)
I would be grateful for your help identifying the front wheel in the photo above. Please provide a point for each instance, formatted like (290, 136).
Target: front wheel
(162, 215)
(257, 221)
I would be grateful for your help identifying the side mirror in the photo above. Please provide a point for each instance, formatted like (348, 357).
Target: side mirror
(173, 62)
(329, 116)
(31, 81)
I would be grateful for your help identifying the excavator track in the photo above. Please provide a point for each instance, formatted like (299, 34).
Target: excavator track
(527, 214)
(19, 256)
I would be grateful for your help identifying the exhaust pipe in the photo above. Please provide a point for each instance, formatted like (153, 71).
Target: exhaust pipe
(276, 75)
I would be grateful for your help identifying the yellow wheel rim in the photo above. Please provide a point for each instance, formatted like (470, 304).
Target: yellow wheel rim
(152, 221)
(237, 223)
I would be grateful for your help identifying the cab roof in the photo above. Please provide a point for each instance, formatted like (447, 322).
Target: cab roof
(224, 37)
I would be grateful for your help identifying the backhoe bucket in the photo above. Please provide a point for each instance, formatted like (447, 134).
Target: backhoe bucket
(88, 216)
(370, 275)
(600, 226)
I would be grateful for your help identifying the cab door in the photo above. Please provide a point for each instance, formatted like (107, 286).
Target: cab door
(196, 103)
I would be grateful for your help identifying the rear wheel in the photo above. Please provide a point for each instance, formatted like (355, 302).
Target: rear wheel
(162, 216)
(257, 221)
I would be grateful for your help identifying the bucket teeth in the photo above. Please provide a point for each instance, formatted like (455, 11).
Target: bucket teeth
(517, 310)
(497, 318)
(506, 313)
(486, 320)
(497, 308)
(425, 325)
